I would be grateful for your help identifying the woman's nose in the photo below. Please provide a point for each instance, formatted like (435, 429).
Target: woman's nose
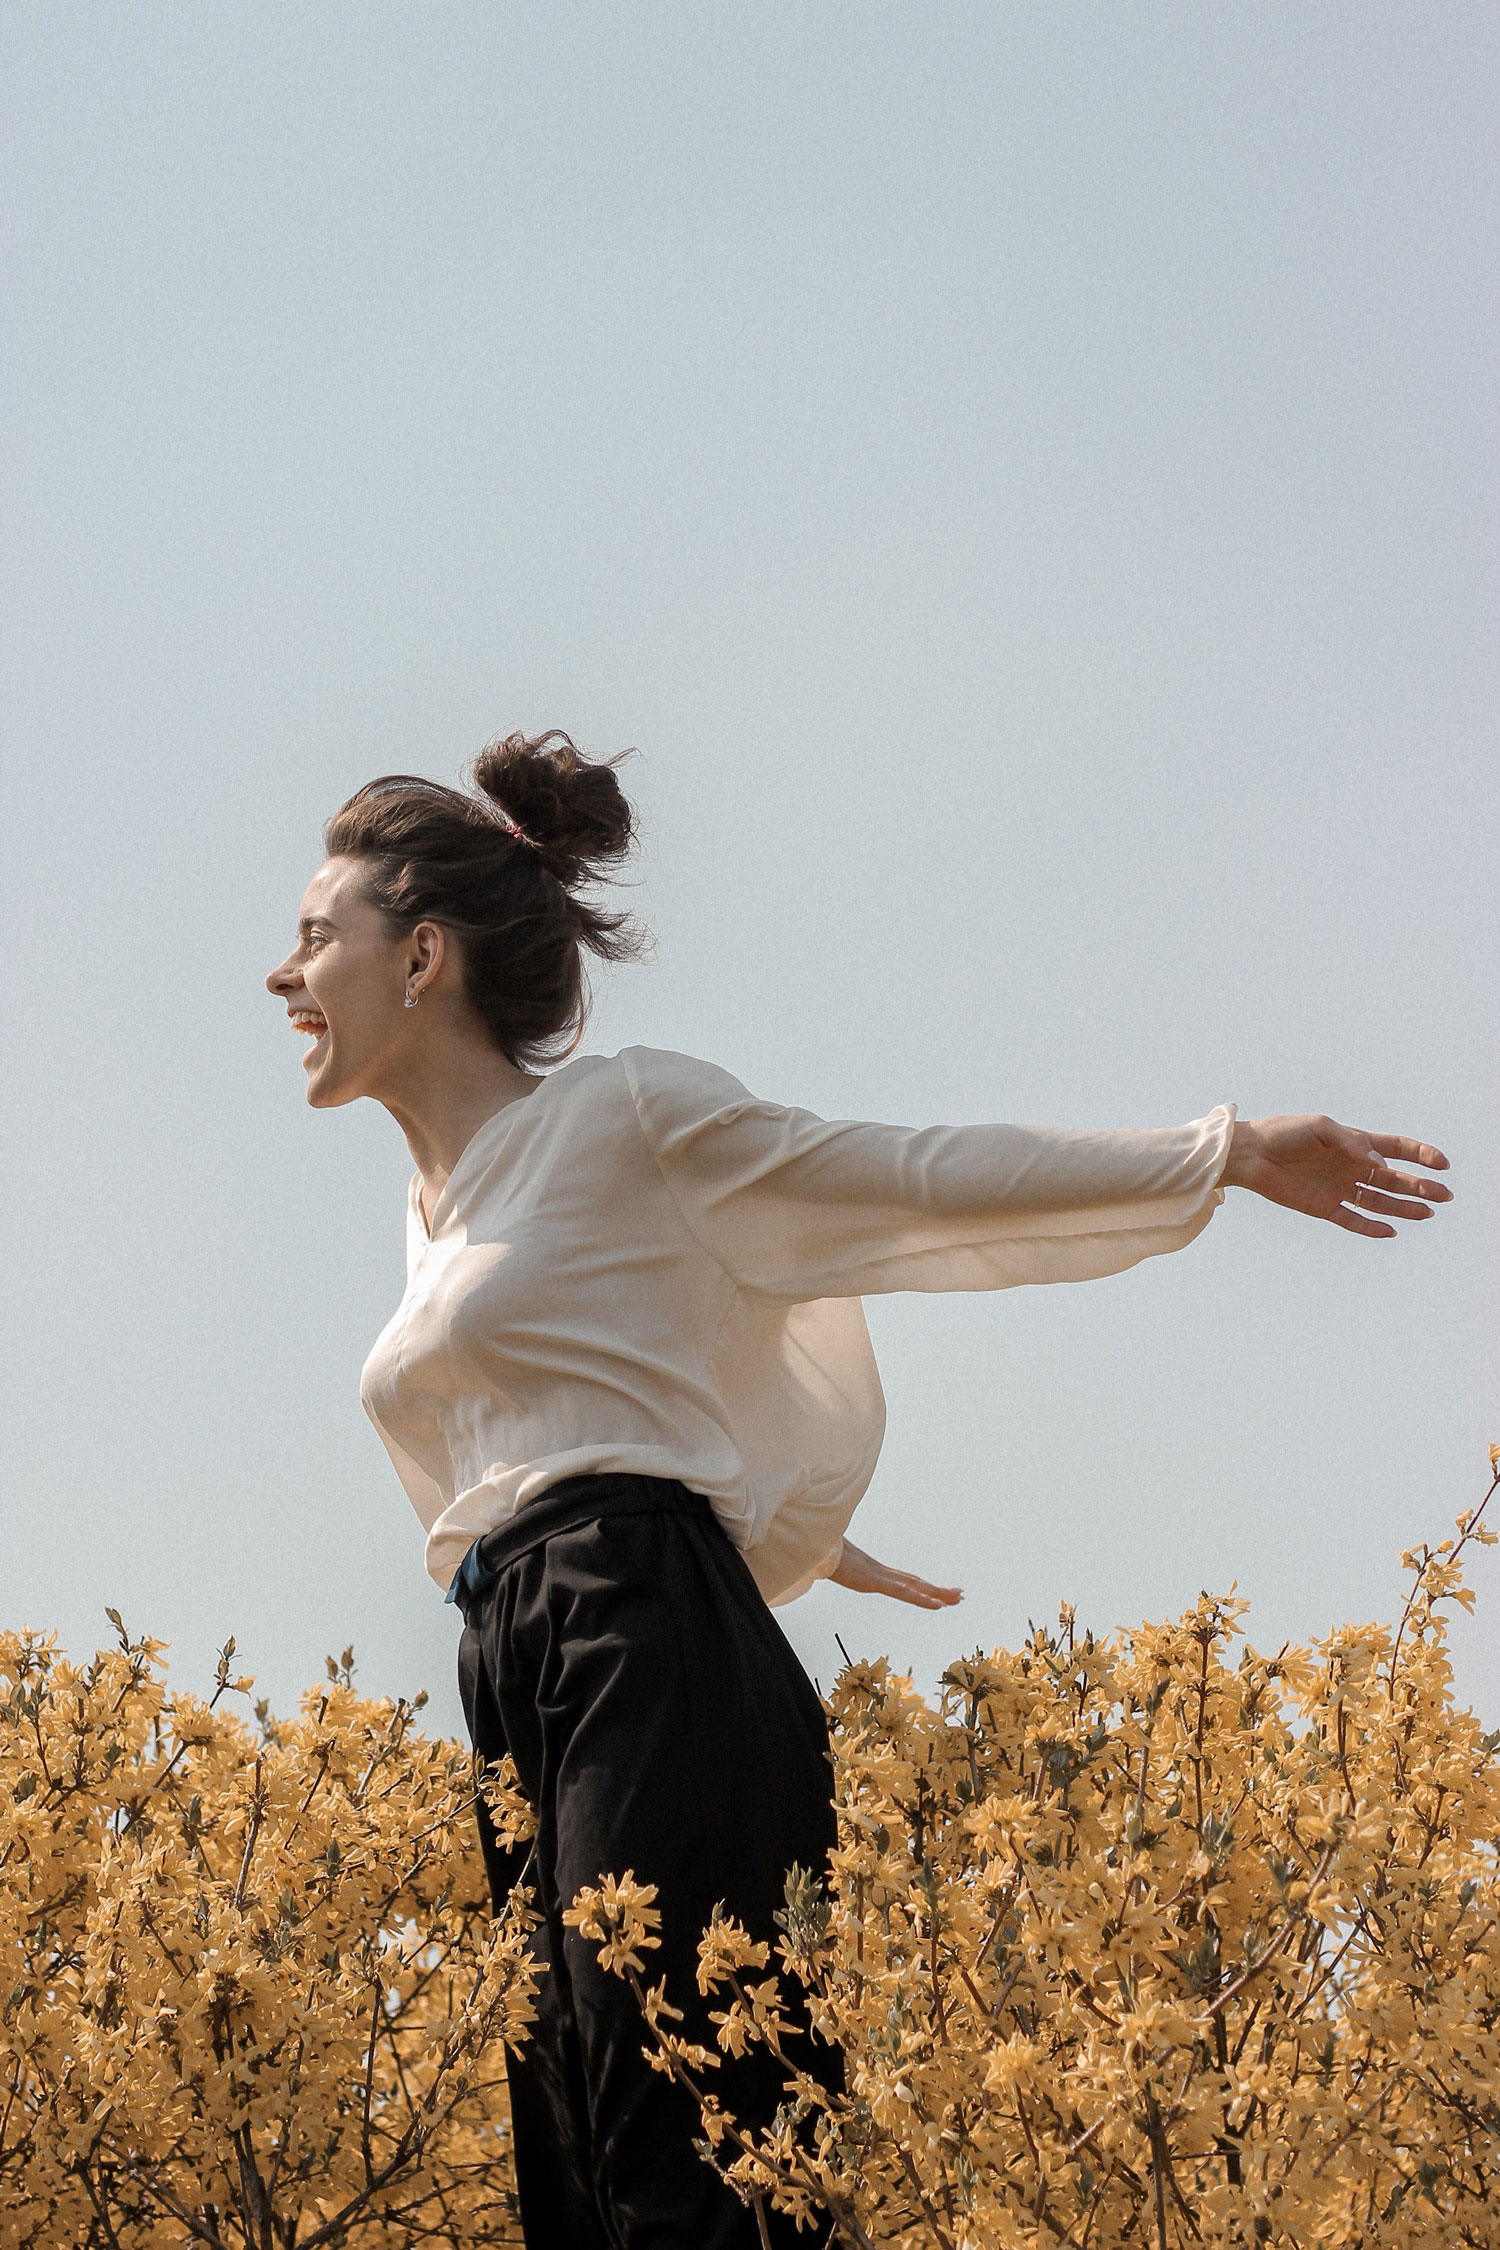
(279, 980)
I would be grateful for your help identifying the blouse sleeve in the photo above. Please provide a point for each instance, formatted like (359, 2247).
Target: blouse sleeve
(795, 1208)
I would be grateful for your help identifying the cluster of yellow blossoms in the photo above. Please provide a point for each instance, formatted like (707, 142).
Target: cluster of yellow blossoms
(1126, 1942)
(250, 1991)
(1133, 1942)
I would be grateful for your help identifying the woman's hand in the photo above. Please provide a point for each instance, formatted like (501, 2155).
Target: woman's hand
(1334, 1172)
(862, 1574)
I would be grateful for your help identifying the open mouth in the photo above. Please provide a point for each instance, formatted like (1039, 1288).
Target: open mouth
(308, 1020)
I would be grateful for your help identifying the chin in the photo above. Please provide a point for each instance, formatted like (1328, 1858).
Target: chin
(322, 1095)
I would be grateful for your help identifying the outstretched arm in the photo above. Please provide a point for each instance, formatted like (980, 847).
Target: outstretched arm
(1335, 1172)
(1307, 1164)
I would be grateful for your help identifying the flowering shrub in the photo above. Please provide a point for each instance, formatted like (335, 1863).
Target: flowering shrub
(250, 1990)
(1134, 1941)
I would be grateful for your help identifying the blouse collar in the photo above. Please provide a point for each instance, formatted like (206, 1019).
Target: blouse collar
(481, 1142)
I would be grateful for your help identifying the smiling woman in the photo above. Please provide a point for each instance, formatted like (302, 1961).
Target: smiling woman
(414, 867)
(630, 1393)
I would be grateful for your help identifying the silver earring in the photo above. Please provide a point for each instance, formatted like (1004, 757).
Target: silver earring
(412, 998)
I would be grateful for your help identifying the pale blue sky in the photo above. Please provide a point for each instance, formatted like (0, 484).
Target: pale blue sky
(1021, 475)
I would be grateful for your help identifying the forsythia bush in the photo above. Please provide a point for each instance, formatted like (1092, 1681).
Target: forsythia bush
(1135, 1942)
(250, 1991)
(1125, 1942)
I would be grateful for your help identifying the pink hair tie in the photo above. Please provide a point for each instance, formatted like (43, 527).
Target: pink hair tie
(514, 829)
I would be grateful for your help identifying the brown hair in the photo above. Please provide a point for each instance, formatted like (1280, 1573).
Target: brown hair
(435, 854)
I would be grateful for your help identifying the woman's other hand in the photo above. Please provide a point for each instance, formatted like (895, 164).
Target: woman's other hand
(862, 1574)
(1335, 1172)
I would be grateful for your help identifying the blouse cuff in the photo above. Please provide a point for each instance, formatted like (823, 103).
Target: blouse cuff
(1228, 1112)
(799, 1586)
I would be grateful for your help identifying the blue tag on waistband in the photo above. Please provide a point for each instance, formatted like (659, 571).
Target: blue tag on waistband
(468, 1575)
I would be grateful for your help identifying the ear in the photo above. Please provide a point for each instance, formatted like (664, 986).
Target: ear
(426, 950)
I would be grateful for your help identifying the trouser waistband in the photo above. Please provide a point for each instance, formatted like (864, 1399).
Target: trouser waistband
(562, 1507)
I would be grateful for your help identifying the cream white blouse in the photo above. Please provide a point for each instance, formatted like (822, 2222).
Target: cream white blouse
(641, 1267)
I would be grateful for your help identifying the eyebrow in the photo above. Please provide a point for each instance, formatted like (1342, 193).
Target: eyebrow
(309, 922)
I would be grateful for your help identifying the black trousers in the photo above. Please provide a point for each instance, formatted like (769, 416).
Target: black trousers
(616, 1645)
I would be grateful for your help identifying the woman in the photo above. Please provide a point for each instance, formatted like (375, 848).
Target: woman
(630, 1393)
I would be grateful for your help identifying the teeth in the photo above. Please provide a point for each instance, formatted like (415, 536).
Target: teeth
(313, 1024)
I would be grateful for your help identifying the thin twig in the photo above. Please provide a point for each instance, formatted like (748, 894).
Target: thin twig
(257, 1815)
(1254, 1968)
(1428, 1559)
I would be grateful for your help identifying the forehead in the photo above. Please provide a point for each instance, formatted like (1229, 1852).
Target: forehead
(335, 893)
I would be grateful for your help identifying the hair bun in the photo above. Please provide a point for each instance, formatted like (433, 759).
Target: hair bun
(569, 807)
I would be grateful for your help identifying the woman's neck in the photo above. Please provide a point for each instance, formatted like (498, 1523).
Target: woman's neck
(440, 1113)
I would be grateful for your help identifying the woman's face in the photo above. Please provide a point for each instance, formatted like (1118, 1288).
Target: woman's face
(345, 986)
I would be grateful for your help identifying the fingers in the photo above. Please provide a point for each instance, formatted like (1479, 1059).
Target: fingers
(1370, 1200)
(1356, 1224)
(1381, 1193)
(903, 1586)
(1410, 1152)
(1402, 1183)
